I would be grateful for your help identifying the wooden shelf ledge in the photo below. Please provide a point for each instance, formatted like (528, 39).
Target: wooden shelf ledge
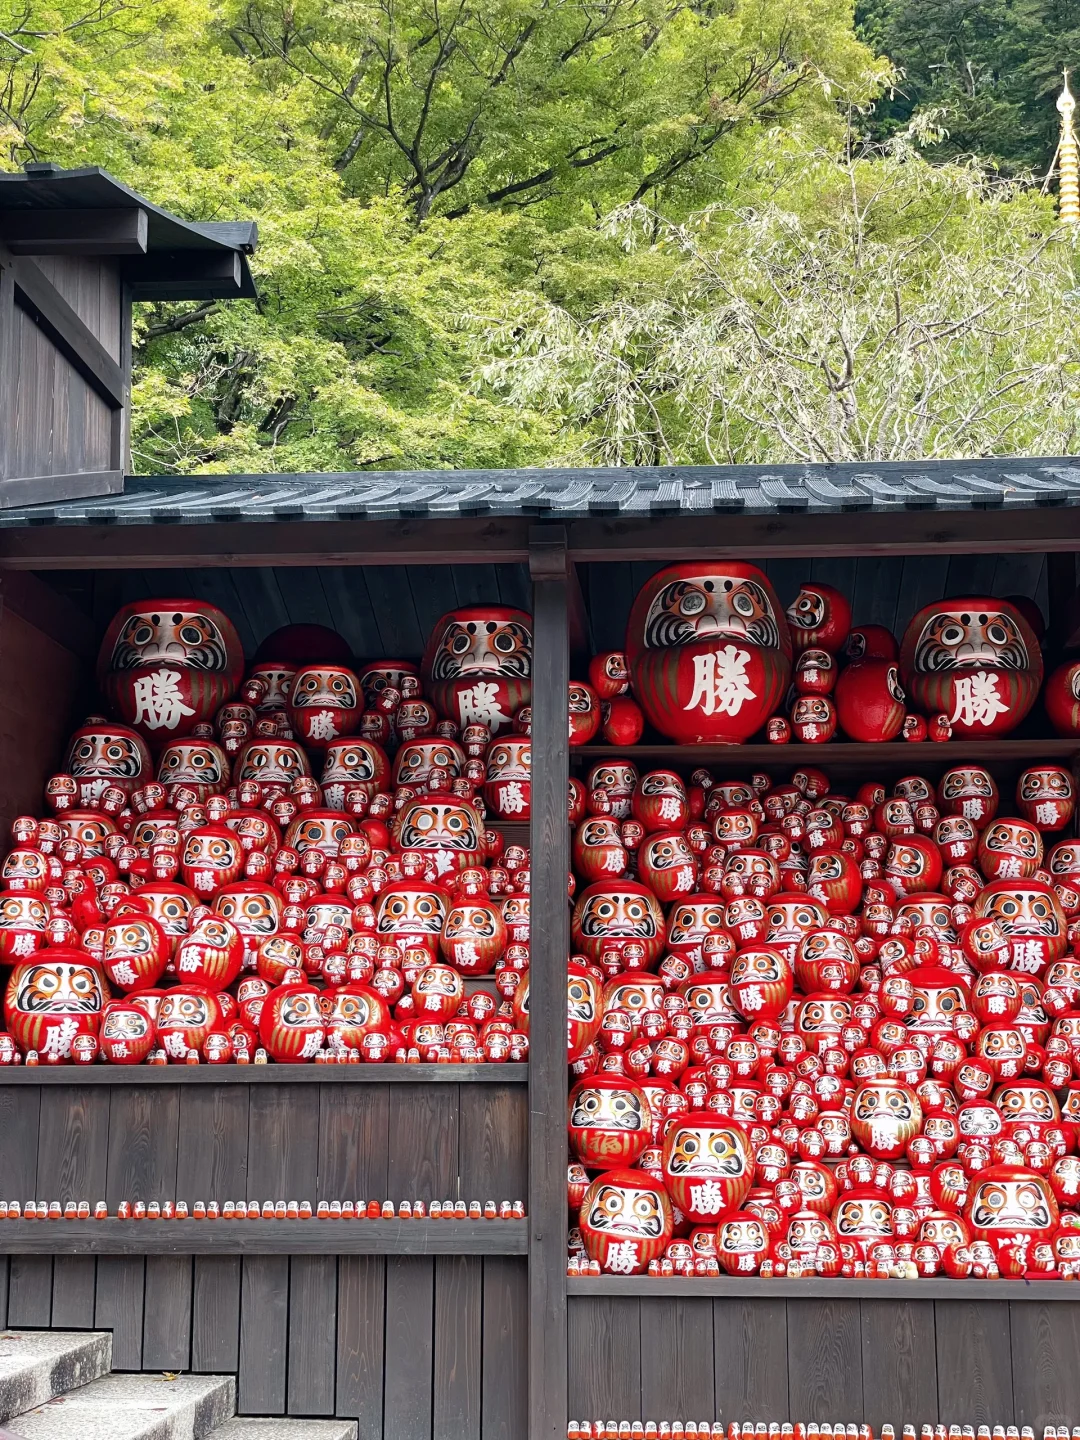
(815, 1288)
(263, 1237)
(77, 1075)
(839, 754)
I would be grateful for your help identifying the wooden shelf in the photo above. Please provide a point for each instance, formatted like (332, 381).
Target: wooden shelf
(840, 754)
(816, 1288)
(263, 1237)
(382, 1074)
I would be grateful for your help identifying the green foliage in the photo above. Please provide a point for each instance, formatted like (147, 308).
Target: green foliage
(864, 308)
(412, 166)
(992, 66)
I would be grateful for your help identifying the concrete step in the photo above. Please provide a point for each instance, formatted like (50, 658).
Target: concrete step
(248, 1428)
(37, 1365)
(134, 1407)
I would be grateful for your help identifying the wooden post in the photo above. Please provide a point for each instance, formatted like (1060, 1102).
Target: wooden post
(547, 987)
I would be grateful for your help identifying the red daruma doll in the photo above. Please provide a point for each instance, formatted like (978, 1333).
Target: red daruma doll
(976, 660)
(477, 667)
(708, 1165)
(53, 998)
(626, 1221)
(167, 665)
(709, 651)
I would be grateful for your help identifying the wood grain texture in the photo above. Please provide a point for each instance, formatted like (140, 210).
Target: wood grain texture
(212, 1165)
(312, 1334)
(493, 1142)
(264, 1322)
(750, 1363)
(456, 1377)
(505, 1350)
(72, 1153)
(361, 1337)
(899, 1362)
(677, 1359)
(167, 1314)
(604, 1370)
(824, 1358)
(1045, 1374)
(409, 1355)
(973, 1362)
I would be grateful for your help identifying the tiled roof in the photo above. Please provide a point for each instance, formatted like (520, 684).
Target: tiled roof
(552, 494)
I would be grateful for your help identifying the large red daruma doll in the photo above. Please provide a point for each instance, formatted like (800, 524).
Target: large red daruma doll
(709, 651)
(975, 660)
(477, 668)
(167, 665)
(51, 999)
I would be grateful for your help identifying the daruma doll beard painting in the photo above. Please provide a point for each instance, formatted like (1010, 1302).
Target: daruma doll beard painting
(709, 652)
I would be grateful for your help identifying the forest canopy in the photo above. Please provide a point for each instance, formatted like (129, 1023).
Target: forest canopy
(511, 232)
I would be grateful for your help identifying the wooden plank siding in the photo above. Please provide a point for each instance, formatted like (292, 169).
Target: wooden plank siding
(429, 1346)
(887, 1361)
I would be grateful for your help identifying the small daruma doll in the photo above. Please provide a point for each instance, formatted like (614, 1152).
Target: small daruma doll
(1012, 1209)
(708, 1165)
(477, 667)
(611, 916)
(820, 618)
(448, 831)
(626, 1221)
(165, 666)
(610, 1121)
(213, 856)
(508, 778)
(584, 1009)
(742, 1242)
(127, 1033)
(1046, 796)
(474, 936)
(709, 651)
(1031, 917)
(53, 998)
(975, 660)
(102, 756)
(884, 1117)
(870, 701)
(352, 764)
(291, 1024)
(325, 703)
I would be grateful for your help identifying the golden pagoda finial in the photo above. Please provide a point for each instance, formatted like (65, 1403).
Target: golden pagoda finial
(1068, 159)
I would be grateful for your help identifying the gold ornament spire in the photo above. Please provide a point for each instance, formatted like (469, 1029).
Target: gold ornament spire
(1068, 159)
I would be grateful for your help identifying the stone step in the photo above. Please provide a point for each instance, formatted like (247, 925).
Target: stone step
(134, 1407)
(254, 1428)
(38, 1365)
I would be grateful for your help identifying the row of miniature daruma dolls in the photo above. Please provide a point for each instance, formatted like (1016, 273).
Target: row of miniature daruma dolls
(268, 1210)
(813, 1430)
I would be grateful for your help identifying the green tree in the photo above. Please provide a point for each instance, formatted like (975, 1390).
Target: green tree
(863, 307)
(992, 66)
(412, 165)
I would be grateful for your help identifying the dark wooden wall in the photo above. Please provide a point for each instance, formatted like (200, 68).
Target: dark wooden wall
(62, 425)
(411, 1347)
(994, 1362)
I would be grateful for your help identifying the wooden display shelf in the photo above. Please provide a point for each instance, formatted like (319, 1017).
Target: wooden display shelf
(814, 1288)
(263, 1237)
(380, 1074)
(843, 754)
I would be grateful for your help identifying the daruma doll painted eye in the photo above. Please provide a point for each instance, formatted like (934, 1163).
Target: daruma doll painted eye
(709, 651)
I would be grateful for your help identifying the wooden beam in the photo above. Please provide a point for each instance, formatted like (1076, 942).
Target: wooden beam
(813, 1287)
(365, 1074)
(7, 365)
(74, 232)
(342, 542)
(263, 1237)
(41, 300)
(547, 989)
(52, 489)
(186, 275)
(764, 537)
